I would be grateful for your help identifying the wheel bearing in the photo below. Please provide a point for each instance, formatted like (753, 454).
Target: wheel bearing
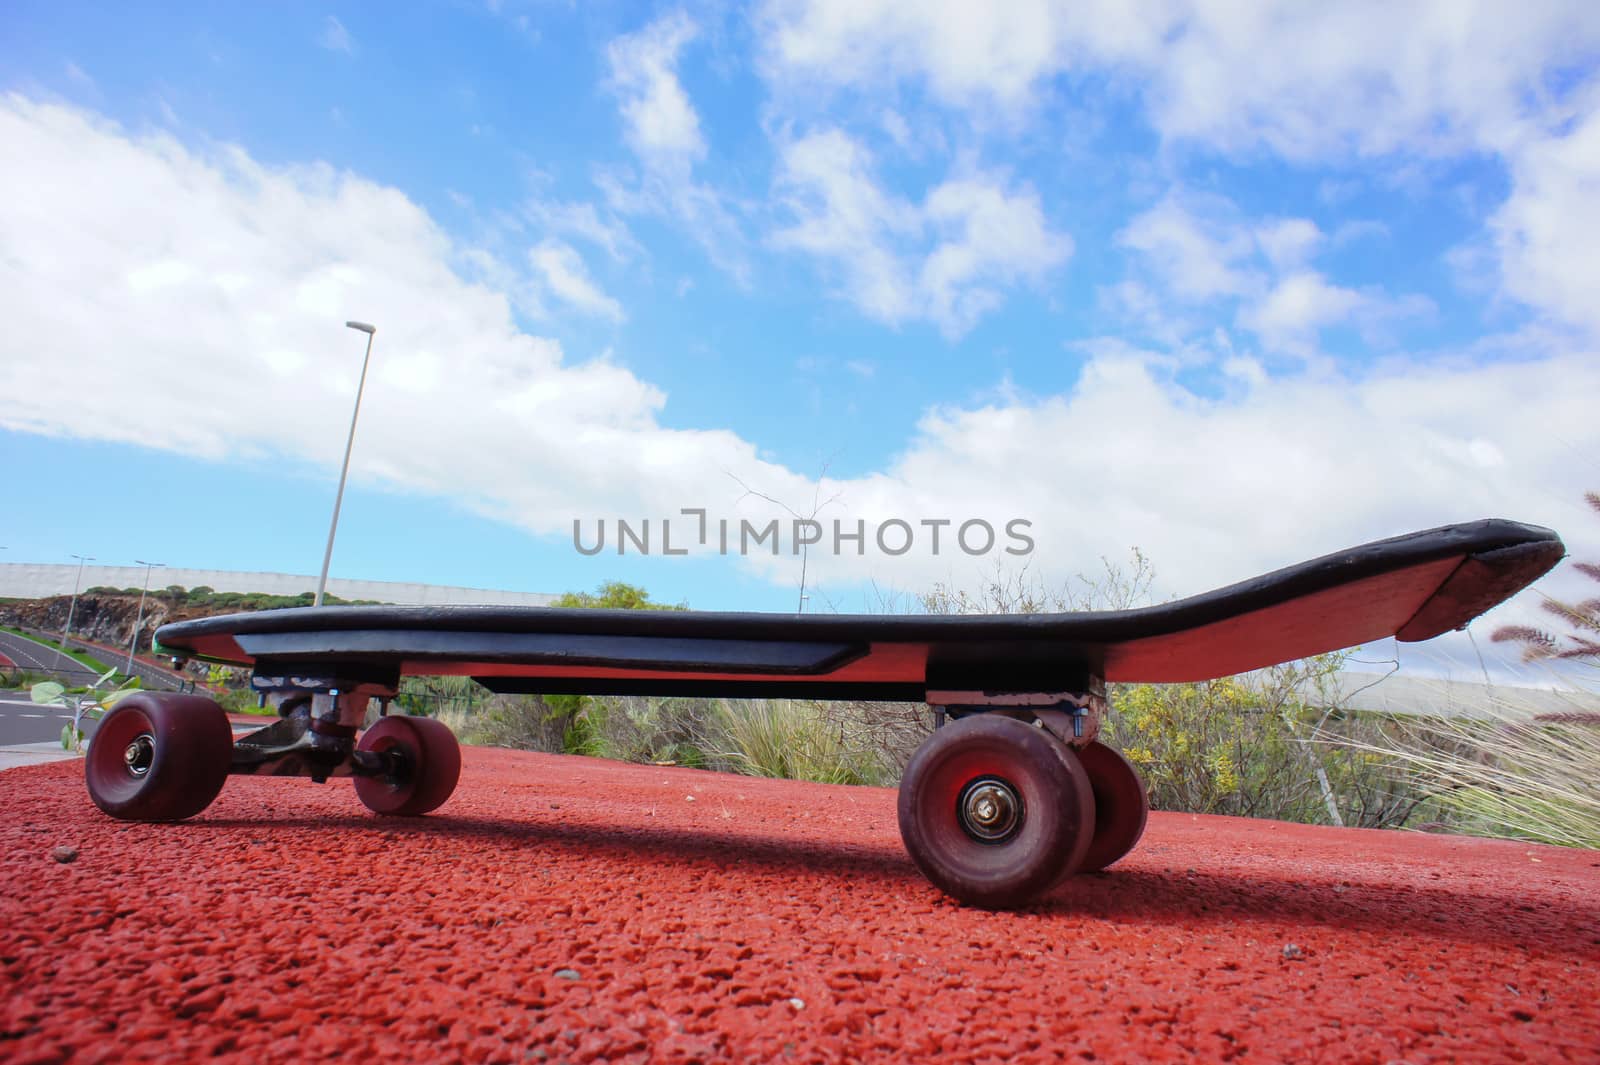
(990, 810)
(140, 754)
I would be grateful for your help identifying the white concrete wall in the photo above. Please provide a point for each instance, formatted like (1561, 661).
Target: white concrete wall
(1435, 697)
(28, 580)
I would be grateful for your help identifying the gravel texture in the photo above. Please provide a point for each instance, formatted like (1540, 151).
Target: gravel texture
(568, 909)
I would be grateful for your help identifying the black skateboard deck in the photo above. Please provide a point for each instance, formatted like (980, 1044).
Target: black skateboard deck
(1010, 795)
(1413, 587)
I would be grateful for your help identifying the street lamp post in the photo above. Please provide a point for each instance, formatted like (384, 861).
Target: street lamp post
(73, 608)
(133, 643)
(333, 527)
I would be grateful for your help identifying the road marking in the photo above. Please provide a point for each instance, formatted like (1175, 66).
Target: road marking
(30, 649)
(155, 676)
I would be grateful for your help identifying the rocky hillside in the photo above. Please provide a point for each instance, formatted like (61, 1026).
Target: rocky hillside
(107, 619)
(108, 616)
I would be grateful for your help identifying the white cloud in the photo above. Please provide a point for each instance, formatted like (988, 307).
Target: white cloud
(1197, 254)
(1200, 251)
(567, 278)
(1288, 242)
(584, 221)
(1219, 489)
(989, 236)
(662, 128)
(896, 128)
(1305, 82)
(1245, 369)
(661, 124)
(1297, 307)
(1355, 230)
(81, 78)
(1548, 231)
(203, 294)
(1309, 81)
(1143, 451)
(842, 216)
(967, 52)
(1302, 79)
(945, 260)
(1216, 490)
(334, 37)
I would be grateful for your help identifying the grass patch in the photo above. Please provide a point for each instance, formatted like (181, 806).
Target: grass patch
(1513, 773)
(791, 739)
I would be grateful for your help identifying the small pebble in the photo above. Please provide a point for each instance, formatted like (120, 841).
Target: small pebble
(65, 854)
(1291, 951)
(688, 798)
(798, 1003)
(567, 974)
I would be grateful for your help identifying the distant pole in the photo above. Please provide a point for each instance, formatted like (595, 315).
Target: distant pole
(333, 527)
(148, 566)
(65, 636)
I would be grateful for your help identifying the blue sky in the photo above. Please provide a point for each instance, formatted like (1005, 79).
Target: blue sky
(1236, 286)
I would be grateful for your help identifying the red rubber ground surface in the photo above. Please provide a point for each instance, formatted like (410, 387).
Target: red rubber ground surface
(571, 909)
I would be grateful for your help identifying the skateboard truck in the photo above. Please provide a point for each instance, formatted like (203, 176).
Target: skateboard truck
(315, 736)
(1072, 717)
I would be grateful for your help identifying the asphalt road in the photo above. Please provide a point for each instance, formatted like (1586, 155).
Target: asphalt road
(30, 655)
(24, 721)
(33, 656)
(151, 678)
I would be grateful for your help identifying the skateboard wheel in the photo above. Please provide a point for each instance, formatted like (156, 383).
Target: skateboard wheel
(159, 756)
(1121, 805)
(429, 766)
(995, 812)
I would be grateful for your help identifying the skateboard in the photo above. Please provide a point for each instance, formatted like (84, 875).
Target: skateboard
(1009, 795)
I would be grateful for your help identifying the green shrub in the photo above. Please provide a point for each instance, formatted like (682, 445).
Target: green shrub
(614, 595)
(1272, 744)
(241, 701)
